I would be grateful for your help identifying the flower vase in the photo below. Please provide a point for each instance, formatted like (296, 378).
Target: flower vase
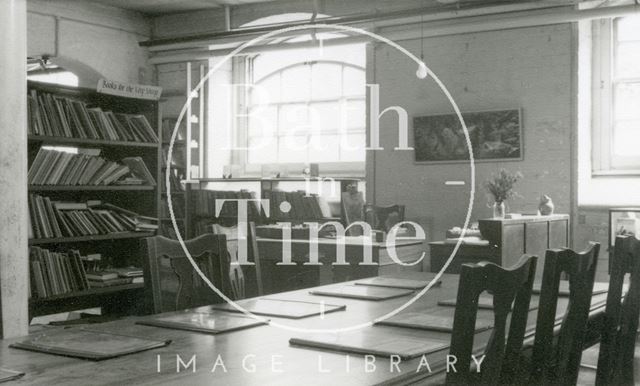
(499, 210)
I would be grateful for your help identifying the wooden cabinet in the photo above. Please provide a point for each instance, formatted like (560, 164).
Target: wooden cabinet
(508, 240)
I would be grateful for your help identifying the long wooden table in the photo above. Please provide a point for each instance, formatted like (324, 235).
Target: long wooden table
(257, 356)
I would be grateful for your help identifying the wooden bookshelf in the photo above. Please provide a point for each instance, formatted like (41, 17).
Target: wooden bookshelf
(119, 299)
(54, 140)
(82, 239)
(117, 248)
(62, 188)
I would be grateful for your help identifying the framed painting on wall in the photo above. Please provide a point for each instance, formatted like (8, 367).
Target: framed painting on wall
(495, 135)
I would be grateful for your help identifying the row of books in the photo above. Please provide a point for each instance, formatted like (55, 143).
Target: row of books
(72, 219)
(55, 273)
(54, 167)
(114, 276)
(204, 203)
(59, 116)
(302, 207)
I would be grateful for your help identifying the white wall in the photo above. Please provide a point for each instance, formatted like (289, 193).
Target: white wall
(90, 39)
(527, 68)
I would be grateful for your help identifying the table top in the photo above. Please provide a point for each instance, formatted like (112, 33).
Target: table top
(260, 355)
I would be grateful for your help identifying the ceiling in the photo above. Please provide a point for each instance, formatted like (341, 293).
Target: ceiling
(155, 7)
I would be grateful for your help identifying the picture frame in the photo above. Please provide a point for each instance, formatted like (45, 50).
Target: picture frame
(496, 135)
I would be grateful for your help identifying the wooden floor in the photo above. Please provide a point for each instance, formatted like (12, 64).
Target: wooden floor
(590, 358)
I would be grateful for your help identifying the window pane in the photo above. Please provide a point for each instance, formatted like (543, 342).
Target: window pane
(296, 84)
(292, 148)
(352, 148)
(262, 150)
(628, 28)
(627, 138)
(354, 114)
(267, 91)
(354, 82)
(293, 118)
(326, 81)
(325, 116)
(262, 121)
(324, 148)
(627, 101)
(628, 60)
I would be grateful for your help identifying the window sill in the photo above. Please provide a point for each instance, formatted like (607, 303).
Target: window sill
(615, 173)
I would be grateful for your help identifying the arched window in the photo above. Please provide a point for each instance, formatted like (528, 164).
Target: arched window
(306, 102)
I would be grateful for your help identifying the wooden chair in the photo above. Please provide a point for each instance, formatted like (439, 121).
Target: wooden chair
(246, 281)
(171, 281)
(382, 218)
(509, 287)
(617, 346)
(556, 358)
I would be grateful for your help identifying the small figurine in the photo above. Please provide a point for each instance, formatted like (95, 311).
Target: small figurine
(546, 205)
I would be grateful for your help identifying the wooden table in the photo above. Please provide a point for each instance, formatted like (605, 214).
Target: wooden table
(287, 278)
(261, 348)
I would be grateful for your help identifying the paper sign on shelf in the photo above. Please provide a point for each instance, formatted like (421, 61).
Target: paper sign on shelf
(139, 91)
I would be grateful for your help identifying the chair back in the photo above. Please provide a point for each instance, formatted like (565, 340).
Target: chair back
(173, 284)
(618, 342)
(383, 218)
(556, 357)
(246, 280)
(509, 287)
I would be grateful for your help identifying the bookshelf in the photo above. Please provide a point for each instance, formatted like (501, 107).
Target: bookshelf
(127, 137)
(263, 187)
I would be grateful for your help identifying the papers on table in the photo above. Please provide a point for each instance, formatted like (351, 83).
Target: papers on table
(374, 341)
(484, 302)
(424, 321)
(292, 309)
(87, 344)
(210, 323)
(9, 375)
(361, 292)
(386, 281)
(598, 288)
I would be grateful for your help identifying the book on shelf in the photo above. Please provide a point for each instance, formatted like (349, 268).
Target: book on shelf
(168, 126)
(56, 273)
(102, 275)
(54, 219)
(109, 283)
(130, 271)
(60, 116)
(54, 167)
(139, 169)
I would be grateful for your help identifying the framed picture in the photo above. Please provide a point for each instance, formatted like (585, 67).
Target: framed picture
(495, 135)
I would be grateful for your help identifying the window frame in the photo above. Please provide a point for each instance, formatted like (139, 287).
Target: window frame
(605, 48)
(340, 167)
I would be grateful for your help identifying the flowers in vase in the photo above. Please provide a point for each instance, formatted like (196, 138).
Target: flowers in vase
(500, 186)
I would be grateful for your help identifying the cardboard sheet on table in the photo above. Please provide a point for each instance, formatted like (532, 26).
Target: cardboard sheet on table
(373, 341)
(87, 344)
(424, 321)
(210, 323)
(485, 302)
(283, 308)
(361, 292)
(598, 288)
(9, 375)
(386, 281)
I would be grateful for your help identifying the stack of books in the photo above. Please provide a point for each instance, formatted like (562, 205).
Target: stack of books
(72, 219)
(58, 116)
(54, 273)
(53, 167)
(115, 276)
